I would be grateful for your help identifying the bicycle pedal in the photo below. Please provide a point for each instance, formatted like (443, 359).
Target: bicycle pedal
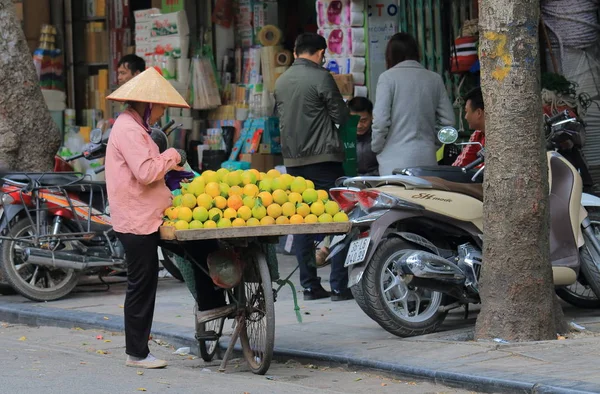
(207, 336)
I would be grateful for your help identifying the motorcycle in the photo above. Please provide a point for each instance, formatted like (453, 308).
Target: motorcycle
(56, 227)
(415, 250)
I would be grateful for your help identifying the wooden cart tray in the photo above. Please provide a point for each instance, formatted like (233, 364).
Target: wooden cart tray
(170, 233)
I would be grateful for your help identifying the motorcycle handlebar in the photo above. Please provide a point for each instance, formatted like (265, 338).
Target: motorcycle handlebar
(168, 125)
(474, 164)
(98, 170)
(78, 156)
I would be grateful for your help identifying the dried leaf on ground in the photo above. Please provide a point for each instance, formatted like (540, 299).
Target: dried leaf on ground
(106, 318)
(121, 306)
(140, 372)
(23, 339)
(107, 341)
(77, 328)
(141, 389)
(383, 384)
(100, 351)
(357, 379)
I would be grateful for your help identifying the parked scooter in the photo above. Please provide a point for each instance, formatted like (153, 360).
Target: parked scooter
(415, 252)
(56, 227)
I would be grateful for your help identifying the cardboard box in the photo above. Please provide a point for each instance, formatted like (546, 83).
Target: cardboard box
(145, 15)
(175, 45)
(175, 23)
(172, 5)
(262, 162)
(143, 29)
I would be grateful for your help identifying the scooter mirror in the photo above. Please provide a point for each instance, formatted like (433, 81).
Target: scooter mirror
(447, 135)
(96, 136)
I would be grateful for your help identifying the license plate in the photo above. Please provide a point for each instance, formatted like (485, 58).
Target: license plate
(357, 251)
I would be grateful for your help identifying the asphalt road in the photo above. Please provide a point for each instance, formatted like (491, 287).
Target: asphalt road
(55, 360)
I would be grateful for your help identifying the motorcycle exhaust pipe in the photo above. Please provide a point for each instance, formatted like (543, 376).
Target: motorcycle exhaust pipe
(63, 260)
(426, 265)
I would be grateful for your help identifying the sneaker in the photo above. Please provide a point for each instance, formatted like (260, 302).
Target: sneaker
(315, 293)
(321, 257)
(150, 362)
(213, 314)
(341, 295)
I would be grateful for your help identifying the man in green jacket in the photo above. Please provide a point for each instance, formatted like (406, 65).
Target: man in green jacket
(310, 106)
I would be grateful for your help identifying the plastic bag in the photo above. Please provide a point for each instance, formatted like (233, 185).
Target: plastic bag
(225, 268)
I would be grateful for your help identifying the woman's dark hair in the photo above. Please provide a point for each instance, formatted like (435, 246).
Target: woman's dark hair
(309, 43)
(360, 104)
(401, 47)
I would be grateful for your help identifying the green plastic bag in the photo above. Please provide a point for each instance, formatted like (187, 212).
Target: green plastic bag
(348, 134)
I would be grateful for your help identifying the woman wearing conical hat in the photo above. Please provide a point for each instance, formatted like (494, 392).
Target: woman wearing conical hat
(138, 195)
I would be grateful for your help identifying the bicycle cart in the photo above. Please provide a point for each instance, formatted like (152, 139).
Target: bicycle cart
(254, 295)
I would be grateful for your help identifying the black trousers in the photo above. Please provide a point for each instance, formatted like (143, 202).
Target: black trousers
(324, 176)
(142, 280)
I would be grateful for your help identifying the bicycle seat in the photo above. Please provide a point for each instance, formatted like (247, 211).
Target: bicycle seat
(474, 190)
(449, 173)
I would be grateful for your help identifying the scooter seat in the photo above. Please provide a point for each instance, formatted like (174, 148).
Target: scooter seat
(449, 173)
(474, 190)
(49, 179)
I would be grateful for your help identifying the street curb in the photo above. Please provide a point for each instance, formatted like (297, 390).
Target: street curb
(181, 337)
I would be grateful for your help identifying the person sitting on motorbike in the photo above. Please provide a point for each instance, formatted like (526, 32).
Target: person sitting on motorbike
(138, 195)
(475, 117)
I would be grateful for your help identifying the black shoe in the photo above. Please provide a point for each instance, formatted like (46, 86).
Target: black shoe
(341, 295)
(316, 293)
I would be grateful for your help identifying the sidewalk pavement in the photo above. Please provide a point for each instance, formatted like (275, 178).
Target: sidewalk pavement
(340, 332)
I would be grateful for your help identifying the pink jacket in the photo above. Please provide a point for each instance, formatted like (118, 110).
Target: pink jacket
(135, 172)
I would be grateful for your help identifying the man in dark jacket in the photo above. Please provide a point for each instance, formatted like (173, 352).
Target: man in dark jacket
(367, 160)
(310, 105)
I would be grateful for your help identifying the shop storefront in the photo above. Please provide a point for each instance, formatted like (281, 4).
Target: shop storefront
(224, 56)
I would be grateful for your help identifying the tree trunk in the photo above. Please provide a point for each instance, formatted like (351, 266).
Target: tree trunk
(29, 138)
(517, 292)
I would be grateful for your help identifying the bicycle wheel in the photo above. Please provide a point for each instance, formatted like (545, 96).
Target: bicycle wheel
(258, 335)
(208, 348)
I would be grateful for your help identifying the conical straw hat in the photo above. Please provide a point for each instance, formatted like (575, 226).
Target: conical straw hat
(149, 87)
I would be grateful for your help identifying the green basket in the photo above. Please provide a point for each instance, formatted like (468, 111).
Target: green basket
(348, 134)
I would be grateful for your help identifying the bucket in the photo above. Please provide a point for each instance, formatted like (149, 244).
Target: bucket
(212, 159)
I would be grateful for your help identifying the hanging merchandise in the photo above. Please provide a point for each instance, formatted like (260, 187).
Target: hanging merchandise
(464, 54)
(205, 86)
(223, 13)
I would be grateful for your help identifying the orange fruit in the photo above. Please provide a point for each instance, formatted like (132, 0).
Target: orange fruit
(267, 221)
(323, 195)
(282, 220)
(311, 218)
(235, 202)
(266, 198)
(230, 213)
(296, 219)
(235, 191)
(212, 189)
(220, 202)
(295, 198)
(280, 196)
(210, 224)
(274, 210)
(288, 209)
(250, 190)
(303, 210)
(239, 222)
(256, 173)
(273, 173)
(173, 213)
(244, 212)
(253, 222)
(205, 201)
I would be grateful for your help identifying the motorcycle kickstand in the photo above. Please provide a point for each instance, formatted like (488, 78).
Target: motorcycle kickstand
(466, 316)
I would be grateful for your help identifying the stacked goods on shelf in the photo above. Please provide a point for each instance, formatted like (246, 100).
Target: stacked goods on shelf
(163, 41)
(96, 91)
(48, 64)
(224, 199)
(96, 40)
(342, 23)
(95, 8)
